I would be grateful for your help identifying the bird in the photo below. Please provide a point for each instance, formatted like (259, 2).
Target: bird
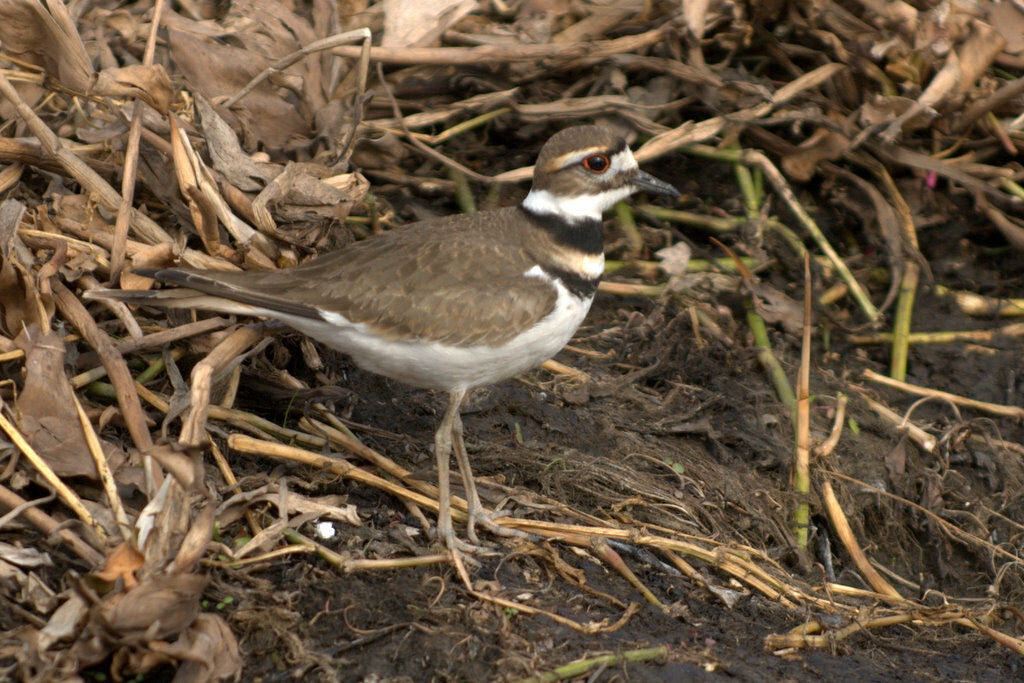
(450, 303)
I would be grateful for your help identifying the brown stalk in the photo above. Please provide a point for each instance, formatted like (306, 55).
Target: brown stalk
(416, 143)
(240, 419)
(992, 408)
(106, 476)
(389, 466)
(600, 547)
(131, 160)
(590, 627)
(499, 54)
(19, 507)
(283, 63)
(349, 565)
(728, 560)
(802, 461)
(825, 448)
(922, 438)
(952, 530)
(849, 540)
(157, 340)
(112, 360)
(975, 110)
(246, 444)
(193, 428)
(229, 478)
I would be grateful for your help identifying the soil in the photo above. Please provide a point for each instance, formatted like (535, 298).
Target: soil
(675, 431)
(679, 431)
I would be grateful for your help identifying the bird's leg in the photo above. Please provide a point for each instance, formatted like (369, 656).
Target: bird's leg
(442, 450)
(476, 514)
(442, 445)
(472, 497)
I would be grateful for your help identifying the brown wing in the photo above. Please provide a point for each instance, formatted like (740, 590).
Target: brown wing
(454, 281)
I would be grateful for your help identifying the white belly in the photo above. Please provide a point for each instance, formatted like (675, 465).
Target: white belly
(434, 365)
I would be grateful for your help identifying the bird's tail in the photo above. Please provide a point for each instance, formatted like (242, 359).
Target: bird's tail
(173, 298)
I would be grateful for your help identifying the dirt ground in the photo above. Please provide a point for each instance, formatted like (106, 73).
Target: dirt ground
(655, 469)
(678, 430)
(673, 432)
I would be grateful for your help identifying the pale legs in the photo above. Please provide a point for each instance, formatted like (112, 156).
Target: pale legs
(447, 439)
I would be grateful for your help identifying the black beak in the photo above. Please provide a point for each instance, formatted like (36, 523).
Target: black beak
(648, 183)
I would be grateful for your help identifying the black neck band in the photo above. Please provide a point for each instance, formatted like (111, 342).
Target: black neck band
(581, 287)
(586, 234)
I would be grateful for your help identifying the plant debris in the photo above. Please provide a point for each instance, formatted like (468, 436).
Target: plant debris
(761, 461)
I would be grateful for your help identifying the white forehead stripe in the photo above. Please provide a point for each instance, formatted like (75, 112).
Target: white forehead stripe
(570, 158)
(620, 161)
(623, 161)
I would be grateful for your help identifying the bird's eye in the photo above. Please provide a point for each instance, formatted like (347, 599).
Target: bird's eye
(597, 163)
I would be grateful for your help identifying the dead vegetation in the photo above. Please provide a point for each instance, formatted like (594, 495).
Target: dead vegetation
(250, 134)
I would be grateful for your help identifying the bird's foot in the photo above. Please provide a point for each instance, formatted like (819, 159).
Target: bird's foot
(446, 536)
(486, 520)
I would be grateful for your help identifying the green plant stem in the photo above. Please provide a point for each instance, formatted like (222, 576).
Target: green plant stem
(463, 193)
(627, 222)
(582, 666)
(711, 223)
(1013, 188)
(902, 320)
(752, 198)
(759, 160)
(770, 363)
(468, 125)
(778, 181)
(788, 236)
(154, 369)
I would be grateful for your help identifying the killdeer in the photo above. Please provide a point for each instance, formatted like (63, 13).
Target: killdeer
(451, 303)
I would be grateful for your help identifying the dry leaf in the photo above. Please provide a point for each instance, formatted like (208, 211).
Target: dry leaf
(215, 70)
(46, 35)
(883, 109)
(147, 83)
(823, 145)
(24, 557)
(196, 540)
(418, 23)
(776, 307)
(122, 563)
(1008, 19)
(229, 159)
(185, 468)
(26, 589)
(208, 651)
(159, 608)
(65, 622)
(18, 306)
(675, 259)
(45, 408)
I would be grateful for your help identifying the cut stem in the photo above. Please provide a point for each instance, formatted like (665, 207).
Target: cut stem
(801, 466)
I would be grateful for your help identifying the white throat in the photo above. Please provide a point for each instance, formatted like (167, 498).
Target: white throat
(577, 207)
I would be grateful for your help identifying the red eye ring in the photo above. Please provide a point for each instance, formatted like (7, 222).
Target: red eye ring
(597, 163)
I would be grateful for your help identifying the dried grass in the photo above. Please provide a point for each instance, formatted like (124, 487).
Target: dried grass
(253, 152)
